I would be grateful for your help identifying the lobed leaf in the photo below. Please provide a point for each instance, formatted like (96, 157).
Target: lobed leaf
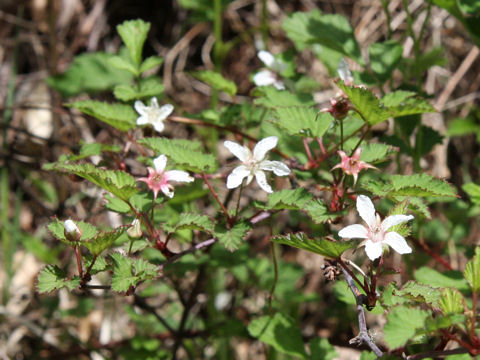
(375, 152)
(472, 271)
(319, 213)
(150, 63)
(402, 324)
(232, 238)
(104, 239)
(134, 33)
(303, 121)
(288, 199)
(421, 293)
(146, 88)
(384, 58)
(327, 248)
(120, 116)
(57, 229)
(435, 278)
(117, 182)
(366, 103)
(452, 301)
(89, 73)
(183, 152)
(193, 222)
(128, 272)
(280, 332)
(124, 64)
(53, 278)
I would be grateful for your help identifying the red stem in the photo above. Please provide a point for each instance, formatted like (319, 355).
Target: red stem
(79, 261)
(215, 195)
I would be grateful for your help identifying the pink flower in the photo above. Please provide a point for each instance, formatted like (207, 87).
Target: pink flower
(158, 179)
(376, 234)
(352, 165)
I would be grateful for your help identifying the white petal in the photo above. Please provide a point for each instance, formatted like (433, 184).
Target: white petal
(167, 191)
(158, 126)
(154, 102)
(355, 231)
(263, 146)
(142, 120)
(267, 58)
(262, 181)
(70, 226)
(366, 210)
(278, 168)
(236, 177)
(241, 152)
(397, 242)
(264, 78)
(344, 72)
(394, 220)
(279, 85)
(160, 163)
(178, 175)
(164, 111)
(373, 250)
(140, 107)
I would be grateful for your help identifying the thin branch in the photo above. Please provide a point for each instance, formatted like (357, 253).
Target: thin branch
(188, 251)
(436, 354)
(363, 337)
(141, 303)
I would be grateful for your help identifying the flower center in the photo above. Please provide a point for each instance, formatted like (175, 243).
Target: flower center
(252, 164)
(153, 113)
(376, 234)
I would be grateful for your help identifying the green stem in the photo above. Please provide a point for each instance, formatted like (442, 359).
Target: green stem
(238, 201)
(275, 276)
(264, 25)
(389, 17)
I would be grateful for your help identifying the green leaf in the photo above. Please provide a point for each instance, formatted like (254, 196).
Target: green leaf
(302, 121)
(150, 63)
(57, 229)
(134, 33)
(120, 116)
(183, 152)
(288, 199)
(193, 222)
(216, 81)
(53, 278)
(147, 88)
(89, 73)
(331, 31)
(434, 278)
(472, 271)
(104, 239)
(384, 58)
(280, 332)
(463, 126)
(320, 348)
(421, 293)
(274, 98)
(419, 185)
(117, 182)
(402, 103)
(375, 152)
(327, 248)
(232, 238)
(123, 64)
(319, 213)
(451, 301)
(128, 272)
(366, 103)
(402, 325)
(471, 7)
(473, 191)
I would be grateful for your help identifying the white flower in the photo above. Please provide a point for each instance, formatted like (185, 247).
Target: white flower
(254, 164)
(376, 232)
(159, 180)
(153, 114)
(269, 77)
(71, 230)
(343, 71)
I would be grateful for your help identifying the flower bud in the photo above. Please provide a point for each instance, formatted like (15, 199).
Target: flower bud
(135, 231)
(72, 232)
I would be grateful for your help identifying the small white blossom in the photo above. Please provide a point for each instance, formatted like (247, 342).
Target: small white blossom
(153, 114)
(254, 164)
(71, 230)
(376, 232)
(135, 231)
(269, 76)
